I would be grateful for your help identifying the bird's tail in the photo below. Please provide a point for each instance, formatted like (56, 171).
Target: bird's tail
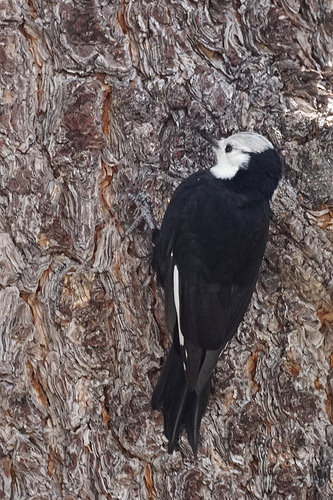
(181, 406)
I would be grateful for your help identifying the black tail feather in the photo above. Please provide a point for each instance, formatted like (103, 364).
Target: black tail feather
(181, 407)
(196, 406)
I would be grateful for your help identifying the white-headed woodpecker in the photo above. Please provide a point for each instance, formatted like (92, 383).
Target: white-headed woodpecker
(208, 254)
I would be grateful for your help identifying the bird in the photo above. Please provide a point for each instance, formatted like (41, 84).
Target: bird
(207, 256)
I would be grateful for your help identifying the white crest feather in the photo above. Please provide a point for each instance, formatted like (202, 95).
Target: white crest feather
(242, 144)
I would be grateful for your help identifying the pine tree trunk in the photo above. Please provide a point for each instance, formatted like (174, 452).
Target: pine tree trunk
(100, 101)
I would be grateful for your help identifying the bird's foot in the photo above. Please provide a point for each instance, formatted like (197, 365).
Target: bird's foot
(142, 212)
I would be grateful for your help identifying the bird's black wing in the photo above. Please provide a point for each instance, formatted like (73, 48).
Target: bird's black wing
(214, 240)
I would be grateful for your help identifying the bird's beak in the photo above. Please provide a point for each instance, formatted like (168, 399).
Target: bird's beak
(211, 139)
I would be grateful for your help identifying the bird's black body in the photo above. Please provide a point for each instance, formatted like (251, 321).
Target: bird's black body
(207, 256)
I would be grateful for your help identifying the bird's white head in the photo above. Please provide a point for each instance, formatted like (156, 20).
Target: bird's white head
(234, 152)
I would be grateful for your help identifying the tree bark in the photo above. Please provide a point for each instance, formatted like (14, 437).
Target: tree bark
(99, 104)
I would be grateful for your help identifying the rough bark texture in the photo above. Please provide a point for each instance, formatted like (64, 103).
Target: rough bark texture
(99, 102)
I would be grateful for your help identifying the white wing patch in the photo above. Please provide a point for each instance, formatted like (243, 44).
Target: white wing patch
(177, 306)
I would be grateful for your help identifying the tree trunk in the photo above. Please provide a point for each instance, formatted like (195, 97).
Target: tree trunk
(99, 104)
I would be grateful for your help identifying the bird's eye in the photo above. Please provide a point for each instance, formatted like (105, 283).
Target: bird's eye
(228, 148)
